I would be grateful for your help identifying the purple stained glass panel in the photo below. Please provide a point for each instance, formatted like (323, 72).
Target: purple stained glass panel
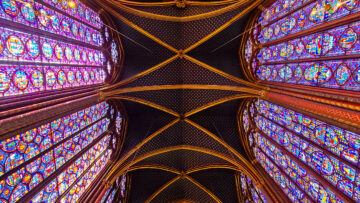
(15, 80)
(321, 146)
(70, 176)
(81, 185)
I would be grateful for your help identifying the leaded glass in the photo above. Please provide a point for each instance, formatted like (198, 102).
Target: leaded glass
(250, 192)
(81, 185)
(105, 197)
(39, 78)
(329, 151)
(246, 120)
(315, 58)
(65, 52)
(107, 35)
(53, 21)
(123, 185)
(55, 59)
(66, 181)
(118, 122)
(32, 156)
(114, 52)
(248, 50)
(111, 197)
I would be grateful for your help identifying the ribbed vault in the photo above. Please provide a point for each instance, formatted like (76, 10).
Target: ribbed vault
(168, 92)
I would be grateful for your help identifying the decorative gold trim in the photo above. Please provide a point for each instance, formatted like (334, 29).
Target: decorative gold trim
(181, 86)
(148, 71)
(207, 191)
(212, 166)
(172, 170)
(172, 3)
(261, 7)
(225, 25)
(154, 166)
(131, 24)
(132, 151)
(254, 177)
(146, 4)
(210, 3)
(162, 188)
(145, 102)
(245, 65)
(115, 172)
(176, 18)
(211, 104)
(203, 188)
(238, 187)
(226, 75)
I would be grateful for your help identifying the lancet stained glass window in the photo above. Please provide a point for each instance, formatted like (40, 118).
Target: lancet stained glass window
(51, 46)
(250, 192)
(31, 157)
(303, 154)
(118, 188)
(114, 52)
(295, 50)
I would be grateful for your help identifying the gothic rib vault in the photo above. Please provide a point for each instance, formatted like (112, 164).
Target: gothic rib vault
(181, 96)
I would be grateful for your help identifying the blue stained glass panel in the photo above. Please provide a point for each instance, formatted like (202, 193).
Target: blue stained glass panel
(324, 148)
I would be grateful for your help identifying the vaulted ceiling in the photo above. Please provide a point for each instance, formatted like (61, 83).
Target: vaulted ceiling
(181, 85)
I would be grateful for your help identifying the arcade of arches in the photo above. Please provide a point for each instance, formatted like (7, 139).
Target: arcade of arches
(179, 101)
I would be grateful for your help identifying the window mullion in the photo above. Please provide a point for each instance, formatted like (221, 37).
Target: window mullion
(27, 197)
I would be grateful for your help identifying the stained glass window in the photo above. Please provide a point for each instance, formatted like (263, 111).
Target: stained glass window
(123, 185)
(118, 122)
(114, 52)
(35, 155)
(65, 51)
(302, 153)
(245, 120)
(118, 186)
(250, 192)
(109, 195)
(292, 49)
(107, 35)
(108, 66)
(53, 45)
